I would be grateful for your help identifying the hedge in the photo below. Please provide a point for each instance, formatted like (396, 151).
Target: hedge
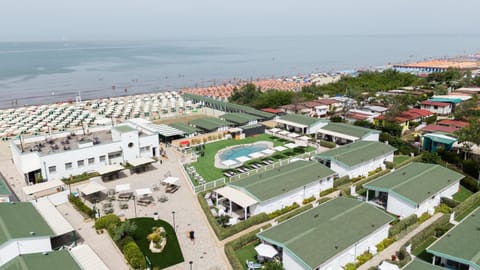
(341, 181)
(390, 165)
(437, 229)
(80, 206)
(449, 202)
(308, 200)
(134, 256)
(402, 225)
(324, 199)
(79, 178)
(326, 192)
(468, 205)
(107, 221)
(294, 213)
(284, 210)
(384, 244)
(327, 144)
(470, 184)
(238, 243)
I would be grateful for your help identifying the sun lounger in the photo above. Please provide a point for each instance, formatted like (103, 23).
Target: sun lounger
(210, 202)
(253, 265)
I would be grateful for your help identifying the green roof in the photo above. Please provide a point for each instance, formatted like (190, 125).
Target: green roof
(358, 152)
(462, 243)
(185, 128)
(301, 119)
(418, 264)
(319, 234)
(238, 118)
(209, 123)
(124, 129)
(17, 220)
(251, 126)
(270, 184)
(39, 261)
(350, 130)
(228, 107)
(4, 190)
(416, 182)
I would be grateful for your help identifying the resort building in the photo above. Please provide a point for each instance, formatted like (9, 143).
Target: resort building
(459, 248)
(342, 133)
(210, 124)
(274, 189)
(413, 189)
(418, 264)
(446, 126)
(358, 158)
(43, 261)
(405, 119)
(360, 115)
(300, 124)
(328, 236)
(188, 131)
(5, 193)
(62, 155)
(440, 108)
(240, 119)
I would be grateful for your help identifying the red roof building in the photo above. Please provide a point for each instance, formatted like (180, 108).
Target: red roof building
(453, 123)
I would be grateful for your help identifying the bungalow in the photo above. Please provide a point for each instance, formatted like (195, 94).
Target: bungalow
(413, 189)
(441, 108)
(358, 158)
(300, 123)
(405, 119)
(334, 105)
(210, 124)
(342, 133)
(446, 126)
(328, 236)
(460, 247)
(272, 190)
(240, 119)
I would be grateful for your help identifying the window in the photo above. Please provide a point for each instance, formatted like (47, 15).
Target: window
(130, 145)
(102, 158)
(114, 155)
(145, 149)
(80, 163)
(68, 165)
(52, 169)
(91, 161)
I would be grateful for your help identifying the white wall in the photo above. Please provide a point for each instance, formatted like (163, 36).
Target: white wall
(371, 137)
(399, 207)
(316, 127)
(289, 263)
(11, 249)
(438, 110)
(361, 169)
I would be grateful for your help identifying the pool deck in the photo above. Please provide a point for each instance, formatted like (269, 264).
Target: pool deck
(218, 161)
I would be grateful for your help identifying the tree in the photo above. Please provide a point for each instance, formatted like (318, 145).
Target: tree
(273, 265)
(469, 136)
(467, 109)
(123, 229)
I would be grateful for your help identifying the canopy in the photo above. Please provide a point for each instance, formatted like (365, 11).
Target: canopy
(229, 162)
(268, 151)
(304, 138)
(87, 258)
(52, 216)
(280, 148)
(256, 155)
(284, 132)
(122, 187)
(92, 187)
(141, 161)
(29, 190)
(143, 191)
(236, 196)
(293, 135)
(265, 250)
(274, 130)
(243, 159)
(291, 145)
(170, 180)
(110, 169)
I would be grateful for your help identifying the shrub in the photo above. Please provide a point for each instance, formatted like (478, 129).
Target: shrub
(322, 200)
(390, 165)
(124, 241)
(443, 208)
(341, 181)
(470, 184)
(134, 256)
(251, 221)
(327, 144)
(80, 206)
(403, 257)
(361, 177)
(363, 258)
(384, 244)
(295, 212)
(350, 266)
(467, 205)
(79, 178)
(437, 228)
(449, 202)
(308, 200)
(107, 221)
(402, 225)
(326, 192)
(424, 217)
(471, 168)
(282, 211)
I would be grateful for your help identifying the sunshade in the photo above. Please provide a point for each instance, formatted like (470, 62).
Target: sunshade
(265, 250)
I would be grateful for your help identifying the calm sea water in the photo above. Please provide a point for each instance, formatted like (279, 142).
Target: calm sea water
(35, 73)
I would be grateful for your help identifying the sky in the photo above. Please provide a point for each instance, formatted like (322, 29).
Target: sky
(41, 20)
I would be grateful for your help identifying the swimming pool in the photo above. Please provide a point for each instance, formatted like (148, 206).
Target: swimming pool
(242, 150)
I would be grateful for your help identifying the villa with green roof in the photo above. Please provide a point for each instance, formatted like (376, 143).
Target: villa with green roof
(272, 190)
(358, 158)
(40, 261)
(342, 133)
(459, 248)
(413, 189)
(300, 123)
(328, 236)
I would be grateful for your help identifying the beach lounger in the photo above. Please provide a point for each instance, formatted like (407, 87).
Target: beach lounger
(253, 265)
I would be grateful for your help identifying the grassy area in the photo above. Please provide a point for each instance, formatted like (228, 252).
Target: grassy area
(247, 253)
(420, 250)
(205, 165)
(171, 254)
(399, 159)
(470, 210)
(462, 194)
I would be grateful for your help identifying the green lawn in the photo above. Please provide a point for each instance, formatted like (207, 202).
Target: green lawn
(399, 159)
(420, 250)
(462, 194)
(171, 255)
(205, 165)
(247, 253)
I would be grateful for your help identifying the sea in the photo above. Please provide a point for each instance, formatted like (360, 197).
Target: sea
(46, 72)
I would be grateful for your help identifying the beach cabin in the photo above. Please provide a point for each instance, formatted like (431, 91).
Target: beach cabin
(342, 133)
(413, 189)
(300, 124)
(459, 248)
(274, 189)
(328, 236)
(358, 158)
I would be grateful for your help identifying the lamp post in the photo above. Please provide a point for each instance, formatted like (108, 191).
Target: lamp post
(134, 206)
(191, 263)
(173, 217)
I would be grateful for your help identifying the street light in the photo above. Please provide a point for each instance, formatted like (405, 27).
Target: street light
(173, 217)
(191, 263)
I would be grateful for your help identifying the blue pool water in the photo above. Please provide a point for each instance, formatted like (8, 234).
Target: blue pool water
(242, 150)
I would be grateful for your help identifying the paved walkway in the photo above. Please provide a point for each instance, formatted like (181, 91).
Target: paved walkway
(392, 249)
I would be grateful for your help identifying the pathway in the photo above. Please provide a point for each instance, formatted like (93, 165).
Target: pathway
(392, 249)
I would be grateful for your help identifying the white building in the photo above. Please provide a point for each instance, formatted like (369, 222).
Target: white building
(358, 158)
(342, 133)
(61, 155)
(275, 189)
(413, 189)
(328, 236)
(300, 124)
(440, 108)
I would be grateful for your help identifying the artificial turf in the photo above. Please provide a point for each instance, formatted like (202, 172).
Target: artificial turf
(399, 159)
(247, 253)
(462, 194)
(171, 254)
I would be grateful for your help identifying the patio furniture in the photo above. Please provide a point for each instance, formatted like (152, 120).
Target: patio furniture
(123, 206)
(253, 265)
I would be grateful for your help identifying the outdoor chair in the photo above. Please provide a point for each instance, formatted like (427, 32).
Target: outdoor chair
(253, 265)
